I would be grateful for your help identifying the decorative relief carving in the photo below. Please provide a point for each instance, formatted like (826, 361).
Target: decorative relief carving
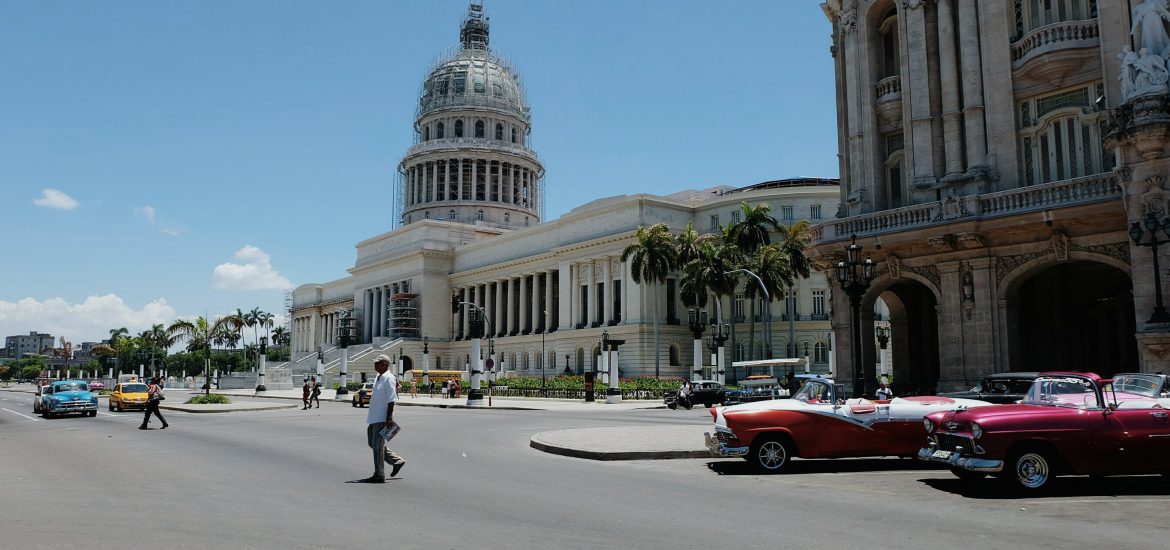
(1007, 264)
(849, 20)
(945, 243)
(1060, 246)
(913, 4)
(952, 207)
(928, 272)
(894, 265)
(970, 240)
(1118, 251)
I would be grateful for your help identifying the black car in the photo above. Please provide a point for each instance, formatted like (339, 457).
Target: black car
(707, 392)
(1001, 388)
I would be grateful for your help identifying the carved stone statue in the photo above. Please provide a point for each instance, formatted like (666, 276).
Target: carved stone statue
(1148, 72)
(1128, 71)
(894, 264)
(1060, 246)
(1151, 16)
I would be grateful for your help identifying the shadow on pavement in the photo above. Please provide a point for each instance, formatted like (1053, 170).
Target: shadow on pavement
(993, 488)
(822, 466)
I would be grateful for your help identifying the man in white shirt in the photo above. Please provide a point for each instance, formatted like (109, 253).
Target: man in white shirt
(382, 399)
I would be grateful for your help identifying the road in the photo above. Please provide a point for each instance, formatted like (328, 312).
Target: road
(278, 479)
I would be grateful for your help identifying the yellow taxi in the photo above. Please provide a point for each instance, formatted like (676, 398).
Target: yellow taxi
(361, 396)
(129, 395)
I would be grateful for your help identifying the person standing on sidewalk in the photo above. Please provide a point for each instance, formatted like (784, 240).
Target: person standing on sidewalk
(382, 399)
(154, 395)
(305, 394)
(316, 393)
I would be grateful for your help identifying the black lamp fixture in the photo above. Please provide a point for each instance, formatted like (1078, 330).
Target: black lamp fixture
(1136, 232)
(855, 275)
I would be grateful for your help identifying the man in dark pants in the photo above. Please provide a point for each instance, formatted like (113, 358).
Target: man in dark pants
(382, 399)
(154, 395)
(316, 395)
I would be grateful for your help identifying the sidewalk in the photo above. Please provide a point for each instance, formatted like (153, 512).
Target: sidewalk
(502, 403)
(626, 442)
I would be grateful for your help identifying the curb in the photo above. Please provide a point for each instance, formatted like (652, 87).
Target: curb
(401, 403)
(535, 443)
(228, 408)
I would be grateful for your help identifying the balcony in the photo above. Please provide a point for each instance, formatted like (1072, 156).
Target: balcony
(1034, 198)
(1057, 49)
(889, 104)
(465, 143)
(819, 317)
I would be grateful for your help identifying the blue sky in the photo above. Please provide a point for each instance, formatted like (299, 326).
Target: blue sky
(162, 159)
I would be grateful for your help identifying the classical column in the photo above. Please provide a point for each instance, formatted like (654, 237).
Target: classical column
(474, 179)
(948, 69)
(522, 303)
(921, 120)
(607, 295)
(591, 294)
(972, 84)
(465, 312)
(548, 301)
(565, 298)
(434, 181)
(489, 301)
(513, 326)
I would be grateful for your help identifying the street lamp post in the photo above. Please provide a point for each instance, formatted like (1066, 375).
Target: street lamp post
(855, 282)
(1153, 224)
(567, 369)
(767, 339)
(883, 337)
(543, 368)
(479, 325)
(263, 363)
(698, 321)
(427, 365)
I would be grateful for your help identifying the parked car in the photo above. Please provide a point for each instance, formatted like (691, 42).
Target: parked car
(1068, 423)
(361, 397)
(97, 385)
(68, 397)
(131, 395)
(39, 395)
(707, 392)
(1001, 388)
(817, 422)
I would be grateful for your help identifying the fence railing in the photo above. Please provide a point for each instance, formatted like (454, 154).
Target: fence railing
(598, 393)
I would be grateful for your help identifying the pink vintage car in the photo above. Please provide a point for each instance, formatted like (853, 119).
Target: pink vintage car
(817, 423)
(1068, 423)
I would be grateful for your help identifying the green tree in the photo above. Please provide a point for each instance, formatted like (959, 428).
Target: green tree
(203, 332)
(793, 240)
(652, 257)
(280, 336)
(754, 227)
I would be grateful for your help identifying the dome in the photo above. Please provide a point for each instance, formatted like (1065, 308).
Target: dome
(473, 76)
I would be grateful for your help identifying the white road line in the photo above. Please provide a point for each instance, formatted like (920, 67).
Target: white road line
(24, 415)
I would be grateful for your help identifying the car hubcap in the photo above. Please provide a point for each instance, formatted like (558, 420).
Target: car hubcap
(772, 455)
(1032, 470)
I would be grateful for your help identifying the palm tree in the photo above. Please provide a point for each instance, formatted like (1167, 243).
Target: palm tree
(771, 265)
(280, 336)
(653, 256)
(753, 229)
(203, 332)
(706, 272)
(793, 240)
(116, 333)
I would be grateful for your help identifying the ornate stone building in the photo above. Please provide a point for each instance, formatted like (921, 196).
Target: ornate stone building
(995, 156)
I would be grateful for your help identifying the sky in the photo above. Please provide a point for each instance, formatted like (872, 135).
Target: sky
(163, 159)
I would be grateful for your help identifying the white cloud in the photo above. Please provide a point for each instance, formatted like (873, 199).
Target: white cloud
(52, 198)
(147, 212)
(89, 321)
(255, 273)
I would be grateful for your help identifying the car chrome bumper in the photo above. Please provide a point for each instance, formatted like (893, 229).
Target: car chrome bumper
(721, 449)
(932, 453)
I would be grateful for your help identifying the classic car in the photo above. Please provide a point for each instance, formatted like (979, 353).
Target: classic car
(818, 423)
(132, 395)
(762, 388)
(39, 395)
(1068, 423)
(361, 397)
(707, 392)
(1001, 388)
(69, 396)
(96, 385)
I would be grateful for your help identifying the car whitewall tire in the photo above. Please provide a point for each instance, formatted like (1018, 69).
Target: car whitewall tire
(770, 455)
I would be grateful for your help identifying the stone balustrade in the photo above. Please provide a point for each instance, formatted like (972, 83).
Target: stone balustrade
(1088, 189)
(463, 143)
(889, 88)
(1057, 36)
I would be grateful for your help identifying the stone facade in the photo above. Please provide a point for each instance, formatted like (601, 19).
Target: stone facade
(994, 152)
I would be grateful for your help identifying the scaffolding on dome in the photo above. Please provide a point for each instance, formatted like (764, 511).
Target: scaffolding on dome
(404, 315)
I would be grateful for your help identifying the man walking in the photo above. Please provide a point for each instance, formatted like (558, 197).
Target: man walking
(382, 399)
(316, 395)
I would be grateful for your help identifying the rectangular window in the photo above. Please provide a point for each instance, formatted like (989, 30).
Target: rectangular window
(617, 300)
(714, 222)
(671, 309)
(786, 213)
(584, 317)
(737, 308)
(818, 302)
(735, 217)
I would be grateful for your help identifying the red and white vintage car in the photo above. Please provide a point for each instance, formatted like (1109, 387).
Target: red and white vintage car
(1068, 423)
(816, 423)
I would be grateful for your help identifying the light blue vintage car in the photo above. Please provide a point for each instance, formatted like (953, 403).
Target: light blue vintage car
(67, 397)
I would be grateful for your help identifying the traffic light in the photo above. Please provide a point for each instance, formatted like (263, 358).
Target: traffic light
(454, 303)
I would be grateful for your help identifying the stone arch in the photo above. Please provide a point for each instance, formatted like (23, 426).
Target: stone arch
(675, 360)
(1069, 315)
(912, 301)
(407, 363)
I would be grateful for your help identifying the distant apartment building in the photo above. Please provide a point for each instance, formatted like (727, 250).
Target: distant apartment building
(17, 347)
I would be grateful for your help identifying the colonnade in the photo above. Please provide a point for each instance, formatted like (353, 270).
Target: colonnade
(516, 305)
(375, 305)
(469, 179)
(306, 335)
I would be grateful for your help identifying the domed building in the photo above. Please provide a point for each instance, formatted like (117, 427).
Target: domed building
(471, 160)
(470, 227)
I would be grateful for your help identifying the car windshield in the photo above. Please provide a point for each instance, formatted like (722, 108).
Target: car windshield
(1147, 385)
(814, 391)
(1065, 391)
(135, 388)
(71, 386)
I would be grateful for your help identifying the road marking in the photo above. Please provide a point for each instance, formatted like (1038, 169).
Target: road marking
(24, 415)
(305, 437)
(833, 487)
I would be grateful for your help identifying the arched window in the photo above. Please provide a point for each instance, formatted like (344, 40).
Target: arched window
(479, 215)
(524, 365)
(458, 128)
(674, 359)
(479, 128)
(426, 133)
(821, 353)
(514, 362)
(507, 217)
(1033, 14)
(439, 131)
(427, 215)
(451, 215)
(1061, 136)
(889, 36)
(499, 131)
(895, 175)
(513, 135)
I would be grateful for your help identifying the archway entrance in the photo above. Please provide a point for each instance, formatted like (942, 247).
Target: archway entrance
(913, 338)
(1074, 316)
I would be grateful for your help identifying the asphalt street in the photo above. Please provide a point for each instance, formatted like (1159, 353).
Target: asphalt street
(281, 479)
